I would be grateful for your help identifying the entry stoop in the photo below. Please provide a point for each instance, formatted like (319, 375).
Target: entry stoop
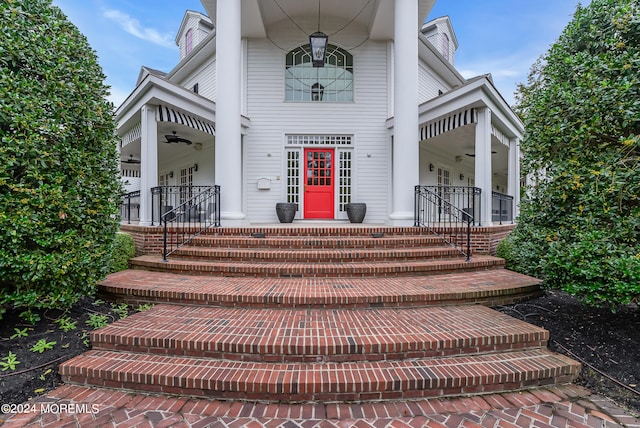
(319, 314)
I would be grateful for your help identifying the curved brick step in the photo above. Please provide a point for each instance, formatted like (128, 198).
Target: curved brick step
(489, 287)
(353, 381)
(318, 335)
(274, 241)
(318, 270)
(314, 255)
(342, 229)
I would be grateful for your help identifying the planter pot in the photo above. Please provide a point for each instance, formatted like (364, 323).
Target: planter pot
(286, 211)
(356, 212)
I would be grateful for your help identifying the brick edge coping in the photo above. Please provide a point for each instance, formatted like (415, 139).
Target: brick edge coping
(556, 406)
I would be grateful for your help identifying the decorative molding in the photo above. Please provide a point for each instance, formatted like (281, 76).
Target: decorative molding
(134, 134)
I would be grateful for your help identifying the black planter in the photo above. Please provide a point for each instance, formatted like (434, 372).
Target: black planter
(286, 211)
(356, 212)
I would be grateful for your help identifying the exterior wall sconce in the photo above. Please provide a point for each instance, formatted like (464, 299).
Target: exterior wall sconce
(195, 167)
(461, 177)
(170, 174)
(431, 167)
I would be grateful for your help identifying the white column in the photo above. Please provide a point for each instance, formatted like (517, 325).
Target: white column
(514, 174)
(405, 173)
(484, 173)
(228, 152)
(148, 162)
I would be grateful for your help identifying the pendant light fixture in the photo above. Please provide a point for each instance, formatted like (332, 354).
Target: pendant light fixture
(318, 42)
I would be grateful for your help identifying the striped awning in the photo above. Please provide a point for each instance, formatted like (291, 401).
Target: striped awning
(170, 114)
(448, 123)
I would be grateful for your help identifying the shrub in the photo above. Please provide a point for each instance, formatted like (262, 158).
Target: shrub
(58, 161)
(123, 249)
(580, 228)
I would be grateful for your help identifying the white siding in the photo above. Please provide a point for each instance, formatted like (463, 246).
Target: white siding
(272, 119)
(429, 84)
(205, 77)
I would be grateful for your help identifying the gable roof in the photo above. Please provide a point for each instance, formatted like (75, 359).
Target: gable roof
(144, 71)
(203, 20)
(441, 20)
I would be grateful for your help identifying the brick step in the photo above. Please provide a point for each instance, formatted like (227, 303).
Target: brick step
(191, 252)
(489, 287)
(316, 242)
(301, 229)
(318, 335)
(316, 270)
(349, 381)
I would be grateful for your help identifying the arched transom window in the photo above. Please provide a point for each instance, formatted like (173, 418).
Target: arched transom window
(331, 83)
(188, 42)
(444, 41)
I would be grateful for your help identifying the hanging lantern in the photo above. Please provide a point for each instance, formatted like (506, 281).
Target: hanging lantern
(318, 42)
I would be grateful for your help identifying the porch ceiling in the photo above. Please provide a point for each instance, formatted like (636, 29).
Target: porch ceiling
(171, 151)
(257, 15)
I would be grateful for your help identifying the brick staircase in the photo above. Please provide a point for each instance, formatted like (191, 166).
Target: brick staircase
(319, 314)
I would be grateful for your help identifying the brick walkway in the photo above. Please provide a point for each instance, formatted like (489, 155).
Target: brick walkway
(564, 406)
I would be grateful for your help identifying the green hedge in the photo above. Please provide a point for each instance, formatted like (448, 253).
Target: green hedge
(124, 248)
(59, 186)
(579, 226)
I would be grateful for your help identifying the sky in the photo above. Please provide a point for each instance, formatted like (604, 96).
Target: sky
(501, 37)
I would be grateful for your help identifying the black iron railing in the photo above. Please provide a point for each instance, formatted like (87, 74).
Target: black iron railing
(433, 211)
(190, 218)
(501, 207)
(130, 207)
(166, 198)
(464, 198)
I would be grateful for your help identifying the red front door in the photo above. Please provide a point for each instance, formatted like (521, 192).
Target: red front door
(318, 189)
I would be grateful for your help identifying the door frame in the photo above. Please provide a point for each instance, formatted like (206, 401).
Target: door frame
(321, 179)
(341, 144)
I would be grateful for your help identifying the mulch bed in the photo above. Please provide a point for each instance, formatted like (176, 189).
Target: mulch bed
(607, 343)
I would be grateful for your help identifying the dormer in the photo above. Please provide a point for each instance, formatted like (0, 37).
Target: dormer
(441, 35)
(194, 28)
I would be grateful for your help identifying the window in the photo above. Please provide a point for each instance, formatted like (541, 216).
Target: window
(444, 46)
(188, 42)
(331, 83)
(164, 179)
(186, 184)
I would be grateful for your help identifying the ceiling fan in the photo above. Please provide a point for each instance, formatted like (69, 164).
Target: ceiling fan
(173, 138)
(131, 160)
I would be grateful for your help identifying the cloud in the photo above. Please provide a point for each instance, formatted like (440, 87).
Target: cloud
(118, 95)
(135, 28)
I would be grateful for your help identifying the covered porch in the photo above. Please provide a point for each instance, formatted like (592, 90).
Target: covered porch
(167, 149)
(469, 155)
